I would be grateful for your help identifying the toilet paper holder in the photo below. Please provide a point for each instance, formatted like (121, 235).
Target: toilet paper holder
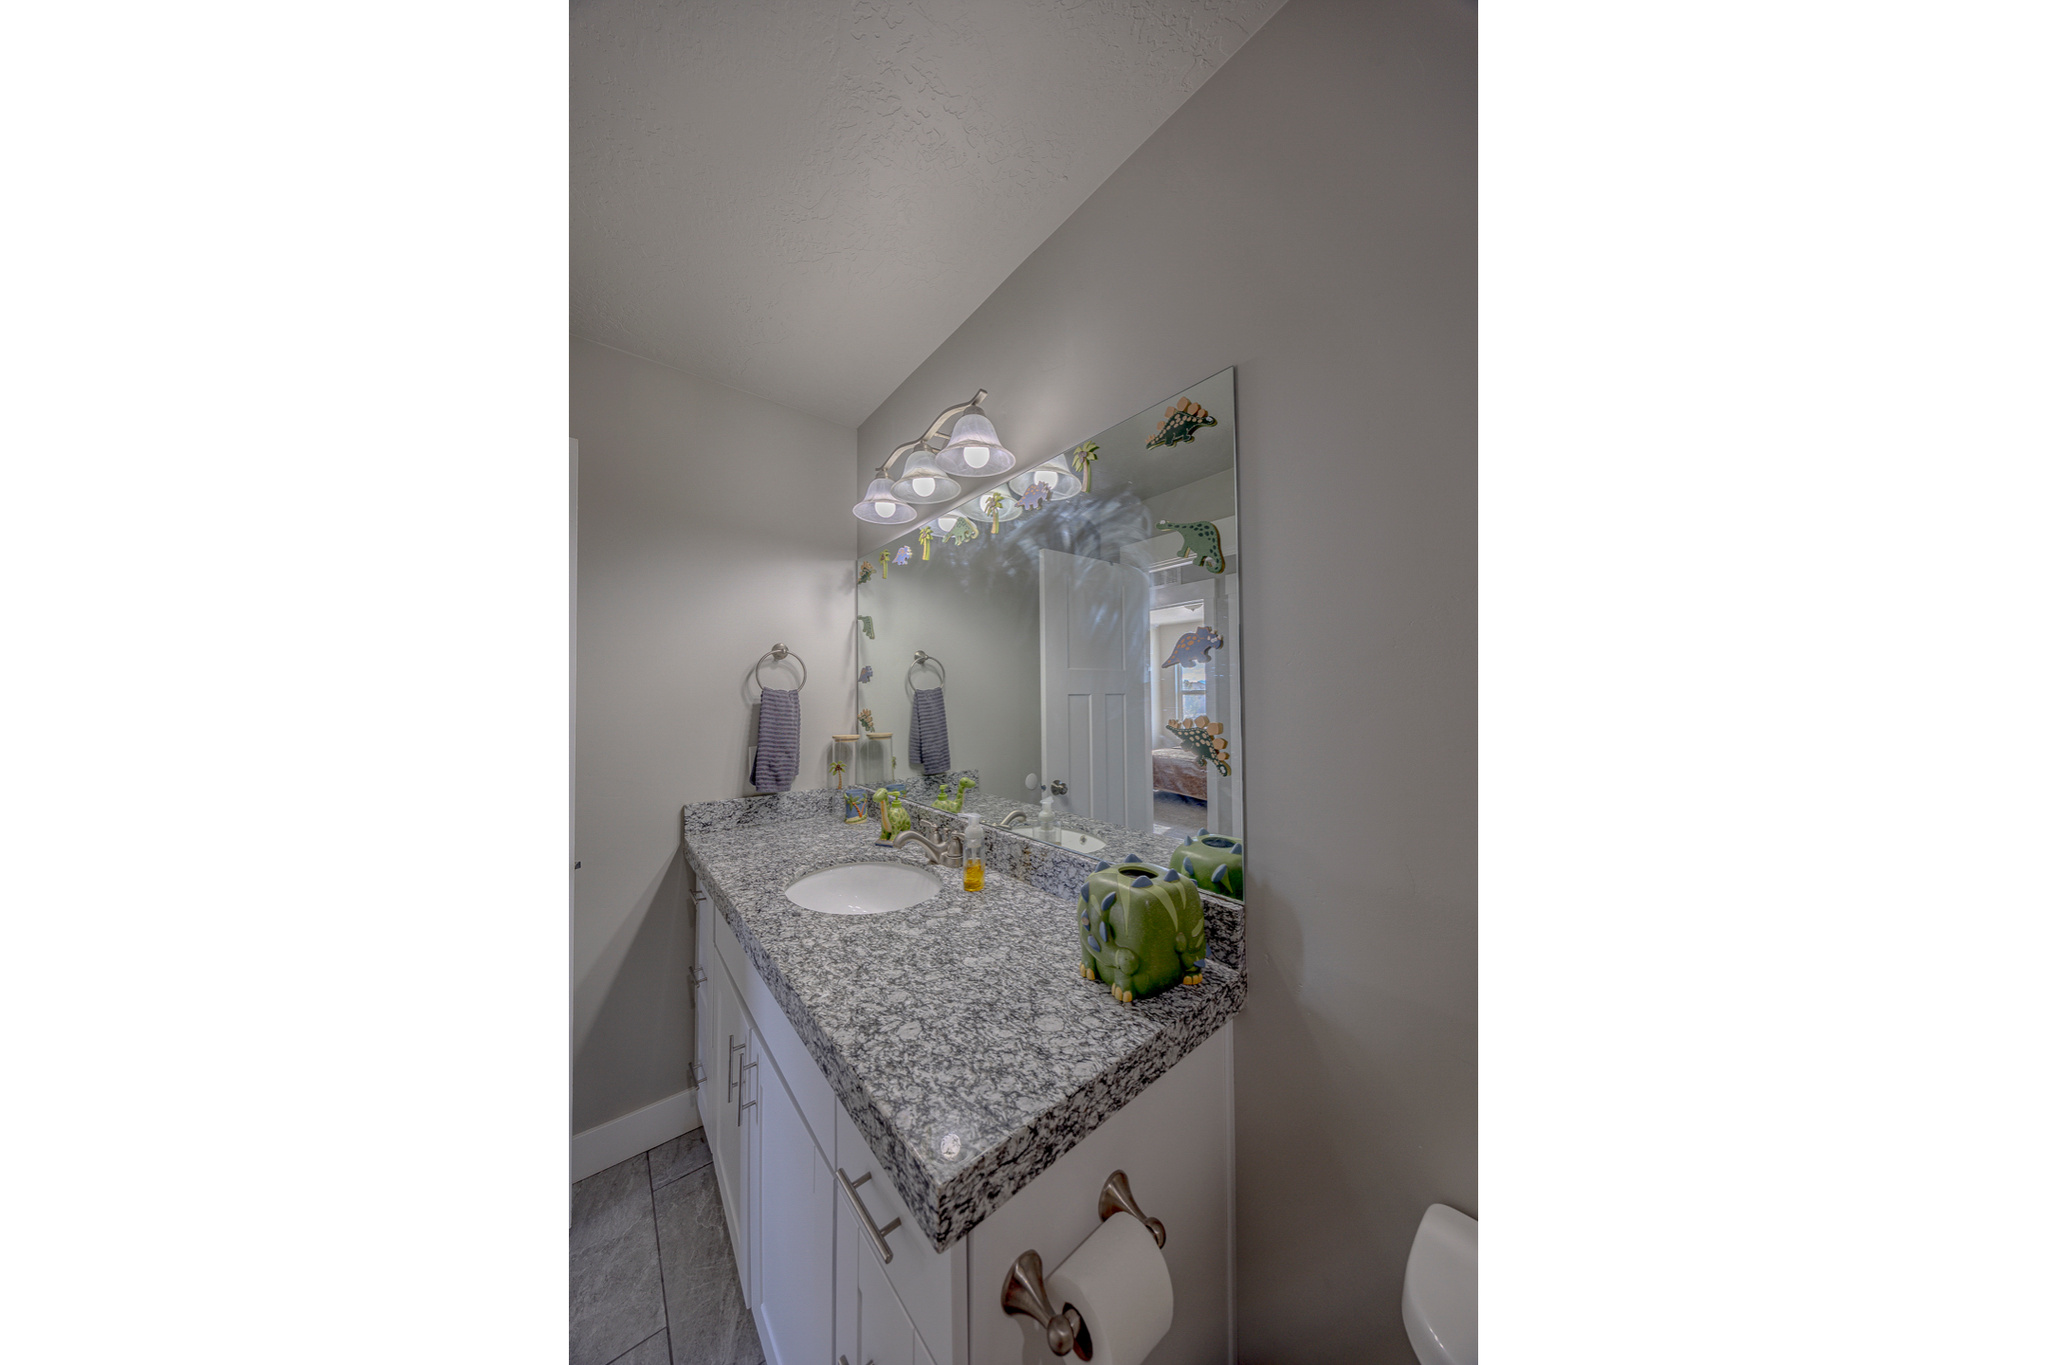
(1024, 1292)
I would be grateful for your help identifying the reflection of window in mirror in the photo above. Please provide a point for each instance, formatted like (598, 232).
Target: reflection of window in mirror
(1192, 681)
(1181, 691)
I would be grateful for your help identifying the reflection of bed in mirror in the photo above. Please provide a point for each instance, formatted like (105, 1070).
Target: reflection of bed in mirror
(1180, 773)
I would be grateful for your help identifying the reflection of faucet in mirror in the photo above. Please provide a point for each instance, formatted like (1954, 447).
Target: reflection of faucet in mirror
(1021, 813)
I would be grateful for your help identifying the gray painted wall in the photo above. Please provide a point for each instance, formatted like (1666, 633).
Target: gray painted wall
(711, 526)
(1309, 216)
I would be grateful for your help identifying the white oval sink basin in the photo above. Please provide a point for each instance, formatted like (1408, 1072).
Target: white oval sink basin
(864, 888)
(1076, 840)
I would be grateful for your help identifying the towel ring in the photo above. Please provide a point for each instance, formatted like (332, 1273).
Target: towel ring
(778, 654)
(930, 662)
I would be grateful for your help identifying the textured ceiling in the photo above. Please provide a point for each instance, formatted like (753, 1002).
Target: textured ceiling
(803, 198)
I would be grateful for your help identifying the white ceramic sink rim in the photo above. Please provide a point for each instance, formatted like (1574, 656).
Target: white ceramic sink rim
(864, 888)
(1076, 840)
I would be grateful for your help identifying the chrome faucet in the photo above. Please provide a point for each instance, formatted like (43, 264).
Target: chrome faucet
(1021, 813)
(951, 854)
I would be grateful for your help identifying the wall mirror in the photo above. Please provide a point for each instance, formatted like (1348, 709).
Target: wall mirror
(1071, 632)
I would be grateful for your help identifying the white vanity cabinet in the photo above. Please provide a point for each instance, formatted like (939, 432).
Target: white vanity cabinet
(835, 1269)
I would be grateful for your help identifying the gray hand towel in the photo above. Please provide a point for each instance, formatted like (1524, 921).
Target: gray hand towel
(929, 750)
(775, 741)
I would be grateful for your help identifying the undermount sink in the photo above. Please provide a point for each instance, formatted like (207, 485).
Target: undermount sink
(1070, 838)
(864, 888)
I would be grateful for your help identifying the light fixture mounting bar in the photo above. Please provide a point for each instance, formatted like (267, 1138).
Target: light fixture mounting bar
(931, 440)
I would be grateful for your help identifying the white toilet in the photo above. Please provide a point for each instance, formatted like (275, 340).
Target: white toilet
(1440, 1293)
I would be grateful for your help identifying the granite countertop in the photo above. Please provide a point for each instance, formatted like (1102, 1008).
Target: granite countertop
(958, 1034)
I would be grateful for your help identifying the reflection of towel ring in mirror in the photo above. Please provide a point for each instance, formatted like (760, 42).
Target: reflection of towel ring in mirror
(778, 654)
(930, 662)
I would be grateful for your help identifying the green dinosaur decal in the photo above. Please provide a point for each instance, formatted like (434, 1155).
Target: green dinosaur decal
(1181, 422)
(1141, 929)
(867, 624)
(1200, 541)
(1204, 739)
(963, 531)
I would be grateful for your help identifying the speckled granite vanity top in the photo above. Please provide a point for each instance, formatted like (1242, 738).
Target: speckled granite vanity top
(958, 1033)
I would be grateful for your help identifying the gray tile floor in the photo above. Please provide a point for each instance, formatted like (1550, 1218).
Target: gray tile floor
(651, 1275)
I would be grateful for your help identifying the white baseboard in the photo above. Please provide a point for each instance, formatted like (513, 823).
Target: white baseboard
(593, 1149)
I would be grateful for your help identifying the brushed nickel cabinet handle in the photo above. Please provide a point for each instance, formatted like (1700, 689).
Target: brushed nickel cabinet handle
(879, 1236)
(731, 1081)
(739, 1116)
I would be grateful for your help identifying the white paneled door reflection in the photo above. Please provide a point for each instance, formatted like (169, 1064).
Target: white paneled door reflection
(1092, 649)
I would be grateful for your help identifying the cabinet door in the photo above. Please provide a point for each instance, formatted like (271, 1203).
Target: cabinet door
(884, 1332)
(723, 1117)
(794, 1233)
(702, 1019)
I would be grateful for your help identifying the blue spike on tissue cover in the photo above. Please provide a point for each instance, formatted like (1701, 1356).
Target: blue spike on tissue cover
(1171, 875)
(1102, 867)
(1140, 882)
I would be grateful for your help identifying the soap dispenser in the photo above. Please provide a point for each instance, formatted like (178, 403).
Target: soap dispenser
(970, 853)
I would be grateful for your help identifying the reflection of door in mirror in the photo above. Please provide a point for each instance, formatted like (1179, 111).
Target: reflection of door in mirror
(1097, 727)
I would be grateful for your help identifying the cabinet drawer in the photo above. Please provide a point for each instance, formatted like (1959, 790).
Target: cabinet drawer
(807, 1085)
(930, 1285)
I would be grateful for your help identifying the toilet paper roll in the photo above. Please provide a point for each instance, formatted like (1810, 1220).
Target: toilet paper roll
(1118, 1282)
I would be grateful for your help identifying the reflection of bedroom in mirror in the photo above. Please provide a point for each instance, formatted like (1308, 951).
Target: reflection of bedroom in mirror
(1085, 610)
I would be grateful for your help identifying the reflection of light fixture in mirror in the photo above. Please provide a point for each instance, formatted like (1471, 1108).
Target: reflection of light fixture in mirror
(946, 523)
(978, 506)
(974, 449)
(1058, 484)
(883, 507)
(924, 481)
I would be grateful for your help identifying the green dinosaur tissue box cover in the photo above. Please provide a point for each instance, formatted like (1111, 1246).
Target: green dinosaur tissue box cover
(1215, 861)
(1141, 929)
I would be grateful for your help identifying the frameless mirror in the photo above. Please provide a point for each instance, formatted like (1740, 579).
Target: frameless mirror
(1065, 641)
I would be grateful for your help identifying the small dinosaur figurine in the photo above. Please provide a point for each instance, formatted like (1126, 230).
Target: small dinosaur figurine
(1181, 422)
(867, 674)
(1083, 461)
(1200, 541)
(1034, 499)
(867, 624)
(1204, 739)
(963, 531)
(902, 556)
(1194, 645)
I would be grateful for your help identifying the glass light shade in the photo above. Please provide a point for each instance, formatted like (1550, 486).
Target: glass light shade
(977, 507)
(1058, 483)
(924, 481)
(946, 523)
(974, 449)
(883, 507)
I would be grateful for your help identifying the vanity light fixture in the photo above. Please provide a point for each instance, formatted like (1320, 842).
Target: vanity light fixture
(960, 440)
(1058, 484)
